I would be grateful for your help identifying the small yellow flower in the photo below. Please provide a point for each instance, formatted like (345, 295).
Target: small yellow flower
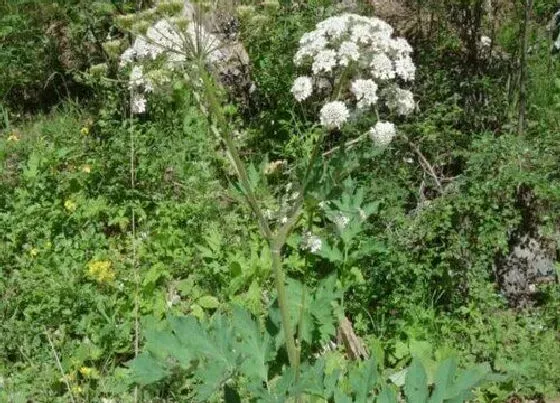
(70, 206)
(77, 389)
(33, 252)
(13, 137)
(85, 371)
(84, 131)
(86, 169)
(101, 270)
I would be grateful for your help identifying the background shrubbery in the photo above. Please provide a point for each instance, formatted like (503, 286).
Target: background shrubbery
(423, 284)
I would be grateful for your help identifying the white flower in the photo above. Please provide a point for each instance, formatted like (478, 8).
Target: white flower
(382, 67)
(361, 33)
(400, 47)
(325, 60)
(144, 49)
(127, 57)
(377, 60)
(402, 101)
(405, 102)
(365, 92)
(302, 88)
(312, 43)
(485, 41)
(334, 26)
(163, 34)
(148, 86)
(138, 104)
(313, 37)
(311, 242)
(348, 51)
(334, 114)
(136, 77)
(382, 133)
(341, 221)
(405, 68)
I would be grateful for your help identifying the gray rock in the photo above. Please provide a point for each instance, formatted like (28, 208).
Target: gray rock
(531, 261)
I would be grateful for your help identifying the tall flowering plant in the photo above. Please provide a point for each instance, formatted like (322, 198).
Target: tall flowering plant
(353, 67)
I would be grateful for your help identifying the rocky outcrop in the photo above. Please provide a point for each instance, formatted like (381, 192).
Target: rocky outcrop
(530, 262)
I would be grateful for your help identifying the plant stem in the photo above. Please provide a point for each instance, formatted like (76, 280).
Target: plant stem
(134, 259)
(524, 34)
(280, 282)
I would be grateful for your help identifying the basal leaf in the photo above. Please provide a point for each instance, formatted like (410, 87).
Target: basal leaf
(443, 380)
(416, 383)
(146, 369)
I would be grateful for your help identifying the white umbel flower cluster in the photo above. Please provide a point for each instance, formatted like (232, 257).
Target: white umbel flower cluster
(382, 133)
(365, 92)
(302, 88)
(362, 61)
(138, 84)
(165, 41)
(311, 242)
(334, 114)
(164, 38)
(138, 104)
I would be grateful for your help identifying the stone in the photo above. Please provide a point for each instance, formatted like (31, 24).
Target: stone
(530, 262)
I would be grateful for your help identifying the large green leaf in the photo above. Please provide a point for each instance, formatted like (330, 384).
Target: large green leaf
(363, 380)
(466, 381)
(252, 345)
(416, 383)
(146, 369)
(163, 343)
(387, 395)
(443, 380)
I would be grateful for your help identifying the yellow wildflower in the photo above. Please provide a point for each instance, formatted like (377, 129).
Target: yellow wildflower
(101, 270)
(84, 131)
(86, 169)
(88, 372)
(33, 252)
(70, 206)
(13, 137)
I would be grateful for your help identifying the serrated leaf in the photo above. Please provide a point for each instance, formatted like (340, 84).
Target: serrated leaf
(146, 369)
(212, 376)
(190, 334)
(253, 176)
(251, 344)
(209, 302)
(416, 383)
(163, 343)
(333, 254)
(420, 349)
(467, 380)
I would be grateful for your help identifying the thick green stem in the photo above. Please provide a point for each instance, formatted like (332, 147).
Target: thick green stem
(280, 282)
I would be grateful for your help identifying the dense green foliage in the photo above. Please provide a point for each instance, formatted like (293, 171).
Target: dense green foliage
(117, 230)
